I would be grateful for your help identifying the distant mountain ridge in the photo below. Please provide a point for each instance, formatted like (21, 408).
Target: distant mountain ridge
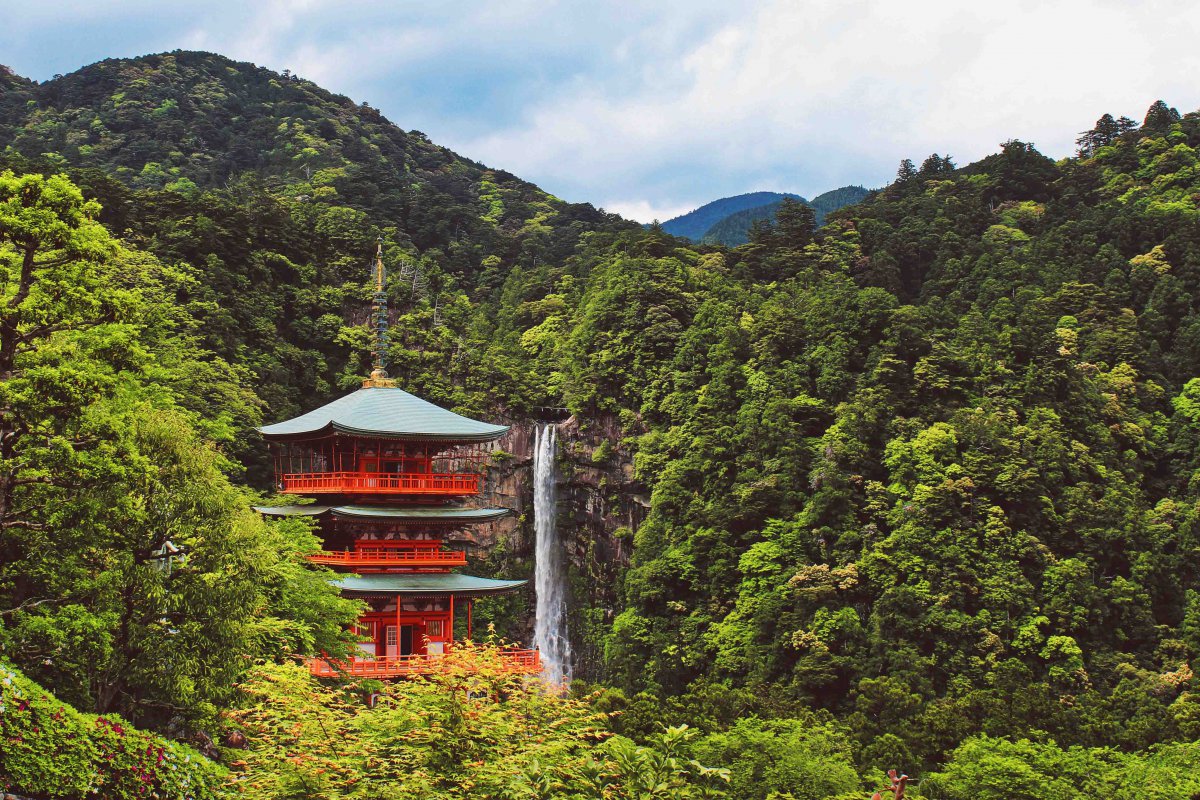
(694, 224)
(828, 202)
(727, 220)
(734, 229)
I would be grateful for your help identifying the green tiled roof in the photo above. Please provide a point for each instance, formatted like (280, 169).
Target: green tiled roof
(386, 412)
(291, 511)
(447, 514)
(422, 583)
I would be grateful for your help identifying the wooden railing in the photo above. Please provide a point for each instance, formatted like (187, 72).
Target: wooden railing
(383, 558)
(380, 483)
(521, 661)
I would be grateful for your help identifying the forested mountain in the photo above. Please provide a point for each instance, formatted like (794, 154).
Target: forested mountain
(921, 483)
(269, 185)
(828, 202)
(694, 224)
(734, 230)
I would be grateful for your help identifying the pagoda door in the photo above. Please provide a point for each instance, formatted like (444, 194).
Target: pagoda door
(406, 640)
(404, 645)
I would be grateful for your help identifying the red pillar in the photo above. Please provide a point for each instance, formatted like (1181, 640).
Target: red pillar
(451, 618)
(470, 609)
(397, 626)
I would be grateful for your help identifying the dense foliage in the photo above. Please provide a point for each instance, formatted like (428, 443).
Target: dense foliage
(468, 730)
(51, 750)
(998, 769)
(933, 471)
(922, 482)
(133, 575)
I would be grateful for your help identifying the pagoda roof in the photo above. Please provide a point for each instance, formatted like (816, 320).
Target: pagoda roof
(385, 412)
(422, 583)
(434, 514)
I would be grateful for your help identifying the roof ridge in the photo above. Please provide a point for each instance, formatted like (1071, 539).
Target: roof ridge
(389, 412)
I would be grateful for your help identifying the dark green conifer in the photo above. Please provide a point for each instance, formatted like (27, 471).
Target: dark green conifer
(794, 223)
(1160, 116)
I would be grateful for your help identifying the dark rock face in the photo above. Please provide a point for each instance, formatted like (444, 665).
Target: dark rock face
(600, 505)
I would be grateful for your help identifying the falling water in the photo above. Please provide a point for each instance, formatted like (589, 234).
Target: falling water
(550, 624)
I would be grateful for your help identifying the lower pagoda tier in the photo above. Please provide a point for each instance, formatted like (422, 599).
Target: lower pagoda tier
(396, 560)
(409, 623)
(525, 662)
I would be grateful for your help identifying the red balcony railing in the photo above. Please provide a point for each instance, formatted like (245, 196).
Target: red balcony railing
(383, 558)
(519, 661)
(380, 483)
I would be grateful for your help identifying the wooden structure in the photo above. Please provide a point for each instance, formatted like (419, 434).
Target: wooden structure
(395, 471)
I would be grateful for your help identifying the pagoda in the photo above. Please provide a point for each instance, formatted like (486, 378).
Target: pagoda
(390, 475)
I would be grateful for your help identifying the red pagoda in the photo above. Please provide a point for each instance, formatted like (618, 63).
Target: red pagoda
(389, 474)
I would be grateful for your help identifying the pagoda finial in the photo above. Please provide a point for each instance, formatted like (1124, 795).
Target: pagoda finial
(379, 327)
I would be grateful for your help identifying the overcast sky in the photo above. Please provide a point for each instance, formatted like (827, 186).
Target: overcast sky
(652, 109)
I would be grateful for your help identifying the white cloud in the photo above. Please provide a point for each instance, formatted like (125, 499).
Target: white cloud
(828, 93)
(651, 108)
(642, 211)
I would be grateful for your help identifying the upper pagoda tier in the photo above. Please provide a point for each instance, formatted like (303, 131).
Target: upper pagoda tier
(380, 441)
(386, 413)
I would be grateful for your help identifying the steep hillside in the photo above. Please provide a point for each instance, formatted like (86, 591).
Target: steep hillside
(933, 467)
(185, 116)
(694, 224)
(272, 190)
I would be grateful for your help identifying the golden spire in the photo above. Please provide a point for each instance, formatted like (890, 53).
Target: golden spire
(379, 327)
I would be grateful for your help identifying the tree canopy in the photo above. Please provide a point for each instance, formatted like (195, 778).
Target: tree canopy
(917, 488)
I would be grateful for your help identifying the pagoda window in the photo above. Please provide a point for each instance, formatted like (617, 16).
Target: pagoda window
(368, 629)
(433, 629)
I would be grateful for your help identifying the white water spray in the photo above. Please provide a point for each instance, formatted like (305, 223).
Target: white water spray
(550, 624)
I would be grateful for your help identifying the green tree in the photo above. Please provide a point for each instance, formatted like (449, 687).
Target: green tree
(1159, 117)
(135, 578)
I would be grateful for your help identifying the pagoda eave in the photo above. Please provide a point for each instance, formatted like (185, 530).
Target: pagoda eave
(384, 413)
(404, 515)
(445, 584)
(334, 429)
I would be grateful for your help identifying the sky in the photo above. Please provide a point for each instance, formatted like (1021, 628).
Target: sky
(652, 109)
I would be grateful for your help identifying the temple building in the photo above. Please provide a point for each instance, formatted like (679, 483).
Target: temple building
(390, 476)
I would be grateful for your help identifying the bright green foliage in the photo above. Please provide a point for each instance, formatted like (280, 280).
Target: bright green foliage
(102, 464)
(467, 730)
(926, 470)
(797, 758)
(53, 751)
(930, 469)
(998, 769)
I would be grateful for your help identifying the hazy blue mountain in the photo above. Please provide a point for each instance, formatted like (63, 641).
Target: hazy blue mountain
(734, 229)
(694, 224)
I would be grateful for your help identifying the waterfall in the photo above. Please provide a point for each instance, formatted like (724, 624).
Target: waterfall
(550, 624)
